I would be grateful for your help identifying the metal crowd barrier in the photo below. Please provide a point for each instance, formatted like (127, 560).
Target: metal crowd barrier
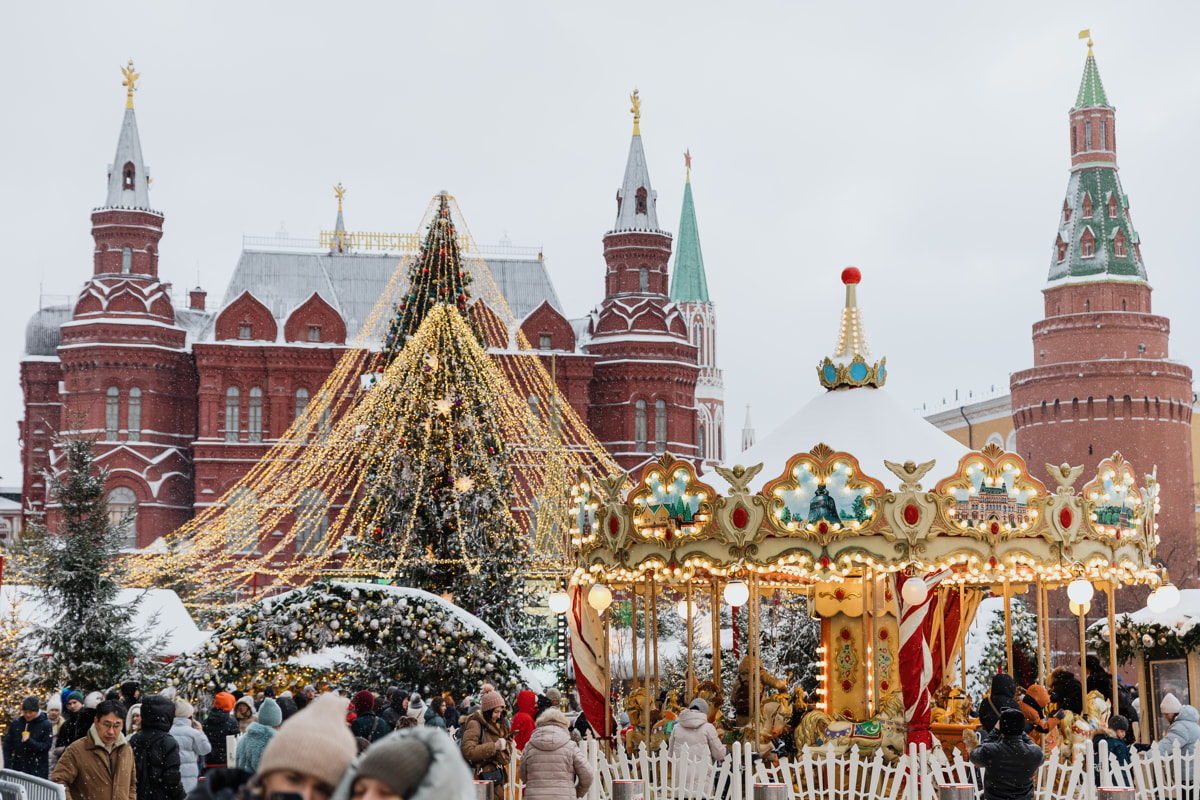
(19, 786)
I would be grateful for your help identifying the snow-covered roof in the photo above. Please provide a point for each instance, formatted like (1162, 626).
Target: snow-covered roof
(173, 620)
(868, 423)
(1182, 618)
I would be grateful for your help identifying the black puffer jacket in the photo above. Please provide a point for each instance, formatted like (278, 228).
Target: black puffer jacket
(1066, 692)
(74, 726)
(1011, 762)
(217, 725)
(1002, 696)
(156, 752)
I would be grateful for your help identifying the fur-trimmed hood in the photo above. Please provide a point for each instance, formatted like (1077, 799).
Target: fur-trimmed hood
(448, 776)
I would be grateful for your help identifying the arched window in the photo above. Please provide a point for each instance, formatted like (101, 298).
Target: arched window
(640, 208)
(1074, 140)
(254, 416)
(312, 521)
(1087, 206)
(241, 521)
(301, 401)
(1087, 133)
(127, 176)
(233, 408)
(639, 425)
(660, 426)
(643, 280)
(126, 260)
(135, 415)
(996, 439)
(701, 445)
(112, 414)
(1103, 134)
(122, 514)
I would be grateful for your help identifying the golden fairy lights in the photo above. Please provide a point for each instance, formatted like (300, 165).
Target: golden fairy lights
(284, 522)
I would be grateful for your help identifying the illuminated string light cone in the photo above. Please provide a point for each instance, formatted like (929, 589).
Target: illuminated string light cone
(599, 597)
(1078, 609)
(914, 591)
(559, 602)
(1168, 595)
(737, 593)
(1080, 591)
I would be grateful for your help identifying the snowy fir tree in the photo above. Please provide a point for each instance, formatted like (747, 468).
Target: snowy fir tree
(995, 651)
(90, 638)
(436, 482)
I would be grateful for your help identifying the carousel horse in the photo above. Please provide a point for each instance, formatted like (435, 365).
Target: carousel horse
(951, 706)
(1098, 709)
(741, 689)
(1070, 730)
(774, 722)
(885, 731)
(634, 706)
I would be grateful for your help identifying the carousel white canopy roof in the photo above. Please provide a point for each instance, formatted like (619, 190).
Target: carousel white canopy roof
(868, 423)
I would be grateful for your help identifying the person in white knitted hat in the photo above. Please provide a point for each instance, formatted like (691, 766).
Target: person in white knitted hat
(1184, 731)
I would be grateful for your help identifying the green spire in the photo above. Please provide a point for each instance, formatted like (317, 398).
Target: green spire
(1091, 90)
(688, 283)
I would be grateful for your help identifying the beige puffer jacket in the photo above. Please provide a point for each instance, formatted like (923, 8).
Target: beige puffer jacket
(552, 765)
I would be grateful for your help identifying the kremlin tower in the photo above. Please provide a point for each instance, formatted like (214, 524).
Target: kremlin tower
(644, 384)
(123, 373)
(1102, 379)
(689, 291)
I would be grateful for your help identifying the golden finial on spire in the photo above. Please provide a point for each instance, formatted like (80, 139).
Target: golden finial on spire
(636, 110)
(339, 193)
(1087, 34)
(687, 162)
(129, 82)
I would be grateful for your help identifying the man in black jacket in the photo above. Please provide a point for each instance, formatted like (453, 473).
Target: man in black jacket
(28, 740)
(218, 725)
(1002, 696)
(1010, 758)
(156, 752)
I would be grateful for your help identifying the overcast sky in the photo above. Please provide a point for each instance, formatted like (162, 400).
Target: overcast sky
(925, 143)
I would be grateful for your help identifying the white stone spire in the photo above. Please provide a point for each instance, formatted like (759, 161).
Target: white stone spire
(128, 178)
(636, 199)
(747, 431)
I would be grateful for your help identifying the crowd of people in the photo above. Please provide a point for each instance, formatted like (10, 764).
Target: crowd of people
(1016, 723)
(303, 745)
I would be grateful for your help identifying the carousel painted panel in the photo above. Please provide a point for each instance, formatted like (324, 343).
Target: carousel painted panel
(994, 497)
(1115, 502)
(669, 504)
(823, 495)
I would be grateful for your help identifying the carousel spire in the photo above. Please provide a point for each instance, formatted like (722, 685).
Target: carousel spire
(848, 368)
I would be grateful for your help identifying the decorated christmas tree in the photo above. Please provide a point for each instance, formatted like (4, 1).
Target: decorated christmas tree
(89, 637)
(436, 483)
(437, 277)
(995, 650)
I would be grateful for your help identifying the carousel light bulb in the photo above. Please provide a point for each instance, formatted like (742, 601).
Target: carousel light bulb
(1078, 609)
(914, 591)
(681, 609)
(1169, 595)
(559, 602)
(1156, 602)
(737, 593)
(1080, 591)
(599, 596)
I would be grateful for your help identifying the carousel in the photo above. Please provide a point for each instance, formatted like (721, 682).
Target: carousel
(891, 529)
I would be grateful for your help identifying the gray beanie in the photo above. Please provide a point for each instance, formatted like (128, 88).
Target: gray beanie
(700, 704)
(399, 761)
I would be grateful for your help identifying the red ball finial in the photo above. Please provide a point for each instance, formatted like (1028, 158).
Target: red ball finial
(851, 275)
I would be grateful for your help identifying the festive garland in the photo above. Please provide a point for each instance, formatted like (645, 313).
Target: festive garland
(1152, 640)
(403, 635)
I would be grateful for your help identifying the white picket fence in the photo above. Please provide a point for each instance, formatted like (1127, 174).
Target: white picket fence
(824, 775)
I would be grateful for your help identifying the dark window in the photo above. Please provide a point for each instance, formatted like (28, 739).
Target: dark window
(639, 425)
(127, 176)
(112, 414)
(233, 411)
(135, 415)
(640, 208)
(660, 426)
(254, 417)
(1087, 133)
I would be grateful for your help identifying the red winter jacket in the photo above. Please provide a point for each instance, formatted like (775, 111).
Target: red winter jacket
(522, 722)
